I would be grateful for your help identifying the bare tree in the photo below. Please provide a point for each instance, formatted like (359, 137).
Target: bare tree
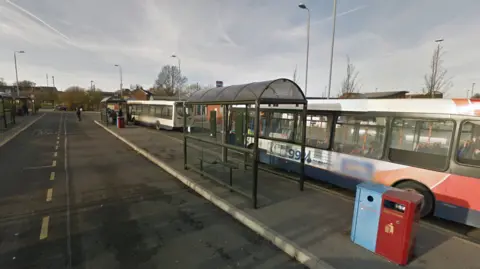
(170, 79)
(436, 80)
(349, 84)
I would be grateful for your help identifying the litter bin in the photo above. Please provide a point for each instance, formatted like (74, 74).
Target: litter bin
(366, 214)
(120, 122)
(397, 229)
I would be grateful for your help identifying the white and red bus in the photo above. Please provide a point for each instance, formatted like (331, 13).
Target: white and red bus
(431, 146)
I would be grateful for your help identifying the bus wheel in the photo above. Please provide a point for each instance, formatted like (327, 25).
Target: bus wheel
(157, 126)
(428, 198)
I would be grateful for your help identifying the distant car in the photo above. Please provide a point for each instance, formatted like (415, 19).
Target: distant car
(60, 108)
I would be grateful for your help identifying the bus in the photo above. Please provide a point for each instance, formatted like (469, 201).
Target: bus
(161, 114)
(429, 146)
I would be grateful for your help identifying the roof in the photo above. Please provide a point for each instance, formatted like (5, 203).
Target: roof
(375, 95)
(278, 91)
(167, 98)
(5, 95)
(112, 99)
(470, 107)
(435, 106)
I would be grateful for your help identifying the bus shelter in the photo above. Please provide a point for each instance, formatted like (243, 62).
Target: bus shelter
(240, 133)
(7, 110)
(24, 102)
(109, 107)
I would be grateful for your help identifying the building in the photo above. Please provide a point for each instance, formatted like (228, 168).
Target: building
(140, 94)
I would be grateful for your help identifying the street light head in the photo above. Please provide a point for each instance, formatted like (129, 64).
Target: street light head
(174, 56)
(21, 51)
(116, 65)
(439, 40)
(302, 6)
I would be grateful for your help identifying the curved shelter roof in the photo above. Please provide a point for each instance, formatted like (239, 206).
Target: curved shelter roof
(113, 99)
(277, 91)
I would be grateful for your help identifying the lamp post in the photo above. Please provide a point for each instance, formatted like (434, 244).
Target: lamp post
(332, 47)
(16, 70)
(303, 6)
(473, 87)
(91, 85)
(434, 74)
(179, 73)
(121, 79)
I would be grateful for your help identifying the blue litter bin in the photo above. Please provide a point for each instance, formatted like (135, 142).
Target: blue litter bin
(366, 215)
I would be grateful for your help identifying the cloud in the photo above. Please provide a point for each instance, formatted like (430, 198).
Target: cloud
(390, 42)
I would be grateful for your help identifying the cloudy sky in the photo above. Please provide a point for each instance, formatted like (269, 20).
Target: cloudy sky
(237, 41)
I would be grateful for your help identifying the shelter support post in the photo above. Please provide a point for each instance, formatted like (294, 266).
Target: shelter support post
(245, 135)
(184, 137)
(304, 138)
(255, 154)
(225, 133)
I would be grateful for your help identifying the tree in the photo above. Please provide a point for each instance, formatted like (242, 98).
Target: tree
(2, 82)
(191, 89)
(74, 96)
(25, 84)
(476, 96)
(436, 80)
(93, 99)
(136, 87)
(170, 79)
(349, 84)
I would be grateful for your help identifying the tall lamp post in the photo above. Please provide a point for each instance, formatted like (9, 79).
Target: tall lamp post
(179, 72)
(16, 69)
(332, 47)
(91, 85)
(121, 79)
(434, 75)
(303, 6)
(473, 87)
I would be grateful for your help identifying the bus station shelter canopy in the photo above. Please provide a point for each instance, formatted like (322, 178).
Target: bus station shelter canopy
(277, 91)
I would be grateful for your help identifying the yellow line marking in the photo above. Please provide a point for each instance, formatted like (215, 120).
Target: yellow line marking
(55, 154)
(54, 163)
(58, 142)
(44, 229)
(52, 176)
(56, 148)
(49, 195)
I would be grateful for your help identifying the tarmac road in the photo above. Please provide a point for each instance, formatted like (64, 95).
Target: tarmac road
(72, 196)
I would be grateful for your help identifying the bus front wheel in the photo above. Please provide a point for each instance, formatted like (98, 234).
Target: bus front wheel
(428, 198)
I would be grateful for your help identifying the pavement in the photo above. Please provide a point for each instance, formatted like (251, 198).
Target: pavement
(21, 123)
(313, 226)
(72, 196)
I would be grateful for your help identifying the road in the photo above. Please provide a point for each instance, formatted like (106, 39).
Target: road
(72, 196)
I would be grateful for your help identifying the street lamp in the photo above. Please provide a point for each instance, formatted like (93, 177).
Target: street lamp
(303, 6)
(473, 87)
(333, 45)
(179, 73)
(91, 85)
(16, 70)
(121, 79)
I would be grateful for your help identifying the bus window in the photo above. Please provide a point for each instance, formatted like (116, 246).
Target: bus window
(279, 125)
(167, 112)
(468, 149)
(318, 131)
(360, 135)
(158, 111)
(423, 143)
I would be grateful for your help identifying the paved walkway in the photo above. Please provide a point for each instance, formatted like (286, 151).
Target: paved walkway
(21, 123)
(316, 224)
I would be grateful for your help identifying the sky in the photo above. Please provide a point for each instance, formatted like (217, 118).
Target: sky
(390, 42)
